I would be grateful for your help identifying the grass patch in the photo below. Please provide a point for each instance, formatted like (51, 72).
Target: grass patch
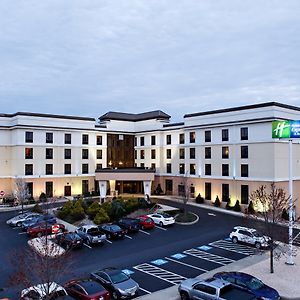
(188, 218)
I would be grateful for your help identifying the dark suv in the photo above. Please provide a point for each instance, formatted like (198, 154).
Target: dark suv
(129, 224)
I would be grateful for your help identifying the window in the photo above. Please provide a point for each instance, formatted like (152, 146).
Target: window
(225, 135)
(49, 137)
(192, 153)
(99, 139)
(85, 153)
(49, 189)
(153, 166)
(181, 153)
(68, 138)
(152, 153)
(135, 141)
(181, 190)
(225, 170)
(169, 168)
(207, 190)
(29, 137)
(142, 141)
(28, 153)
(225, 192)
(49, 153)
(192, 169)
(244, 170)
(153, 140)
(225, 152)
(244, 194)
(181, 169)
(49, 169)
(29, 169)
(168, 153)
(207, 152)
(68, 154)
(244, 151)
(192, 137)
(181, 138)
(98, 166)
(135, 154)
(207, 135)
(142, 165)
(99, 153)
(169, 186)
(85, 187)
(244, 133)
(85, 168)
(68, 169)
(207, 169)
(142, 154)
(85, 139)
(168, 137)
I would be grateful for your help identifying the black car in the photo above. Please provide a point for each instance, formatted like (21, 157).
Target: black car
(112, 231)
(119, 284)
(69, 240)
(129, 224)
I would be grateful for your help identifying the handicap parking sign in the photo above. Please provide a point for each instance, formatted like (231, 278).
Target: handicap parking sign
(159, 262)
(204, 247)
(127, 272)
(178, 256)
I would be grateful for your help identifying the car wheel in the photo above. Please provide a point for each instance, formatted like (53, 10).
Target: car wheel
(184, 296)
(88, 242)
(19, 224)
(257, 245)
(114, 295)
(142, 227)
(161, 224)
(39, 234)
(235, 240)
(108, 236)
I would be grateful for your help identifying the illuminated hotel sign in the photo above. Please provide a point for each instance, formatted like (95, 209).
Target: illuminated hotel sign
(285, 129)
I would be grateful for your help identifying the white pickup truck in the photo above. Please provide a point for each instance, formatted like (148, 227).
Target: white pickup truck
(91, 234)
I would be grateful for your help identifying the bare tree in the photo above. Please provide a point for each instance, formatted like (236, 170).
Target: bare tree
(269, 206)
(21, 191)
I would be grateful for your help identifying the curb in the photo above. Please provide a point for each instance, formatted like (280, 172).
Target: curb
(188, 223)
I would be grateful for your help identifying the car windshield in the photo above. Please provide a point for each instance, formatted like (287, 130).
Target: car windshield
(115, 228)
(166, 215)
(119, 277)
(254, 284)
(256, 234)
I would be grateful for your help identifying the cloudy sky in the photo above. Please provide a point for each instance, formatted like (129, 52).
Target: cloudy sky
(88, 57)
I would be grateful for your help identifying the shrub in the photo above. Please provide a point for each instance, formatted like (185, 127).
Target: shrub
(66, 210)
(217, 202)
(228, 206)
(131, 205)
(117, 210)
(43, 197)
(37, 209)
(158, 190)
(199, 199)
(237, 206)
(93, 209)
(101, 217)
(251, 209)
(77, 211)
(285, 215)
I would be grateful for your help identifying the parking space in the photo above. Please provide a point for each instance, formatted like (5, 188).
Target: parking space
(237, 248)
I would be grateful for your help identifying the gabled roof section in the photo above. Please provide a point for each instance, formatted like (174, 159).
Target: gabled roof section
(156, 114)
(254, 106)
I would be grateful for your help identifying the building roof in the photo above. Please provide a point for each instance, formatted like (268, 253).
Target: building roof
(237, 108)
(156, 114)
(41, 115)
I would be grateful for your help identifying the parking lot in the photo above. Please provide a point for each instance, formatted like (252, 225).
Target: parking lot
(156, 259)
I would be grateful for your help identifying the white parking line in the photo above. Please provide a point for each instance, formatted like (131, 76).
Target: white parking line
(22, 233)
(145, 291)
(127, 236)
(161, 228)
(208, 256)
(108, 241)
(238, 248)
(211, 214)
(144, 231)
(87, 246)
(16, 228)
(188, 265)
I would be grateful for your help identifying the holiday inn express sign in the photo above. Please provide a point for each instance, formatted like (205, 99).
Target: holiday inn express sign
(285, 129)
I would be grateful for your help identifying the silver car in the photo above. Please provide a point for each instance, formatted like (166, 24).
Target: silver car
(19, 219)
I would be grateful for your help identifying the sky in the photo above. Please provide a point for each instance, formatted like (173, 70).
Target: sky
(86, 58)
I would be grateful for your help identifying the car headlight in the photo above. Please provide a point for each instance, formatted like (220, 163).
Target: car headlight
(122, 291)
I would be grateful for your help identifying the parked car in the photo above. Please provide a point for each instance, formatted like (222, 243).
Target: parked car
(119, 284)
(249, 283)
(162, 219)
(47, 218)
(249, 236)
(44, 229)
(211, 288)
(129, 224)
(91, 234)
(19, 219)
(112, 231)
(69, 240)
(146, 222)
(86, 289)
(39, 292)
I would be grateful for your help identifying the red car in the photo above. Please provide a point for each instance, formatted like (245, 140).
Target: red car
(146, 222)
(85, 289)
(43, 229)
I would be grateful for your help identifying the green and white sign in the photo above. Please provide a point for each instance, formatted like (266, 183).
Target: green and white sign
(285, 129)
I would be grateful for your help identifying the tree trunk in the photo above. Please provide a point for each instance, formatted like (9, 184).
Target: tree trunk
(271, 257)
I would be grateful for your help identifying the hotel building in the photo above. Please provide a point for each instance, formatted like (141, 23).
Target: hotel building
(227, 152)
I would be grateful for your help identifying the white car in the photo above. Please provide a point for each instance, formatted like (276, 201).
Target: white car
(19, 219)
(39, 292)
(162, 219)
(249, 236)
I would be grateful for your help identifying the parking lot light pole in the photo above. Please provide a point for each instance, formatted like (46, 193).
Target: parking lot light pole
(290, 250)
